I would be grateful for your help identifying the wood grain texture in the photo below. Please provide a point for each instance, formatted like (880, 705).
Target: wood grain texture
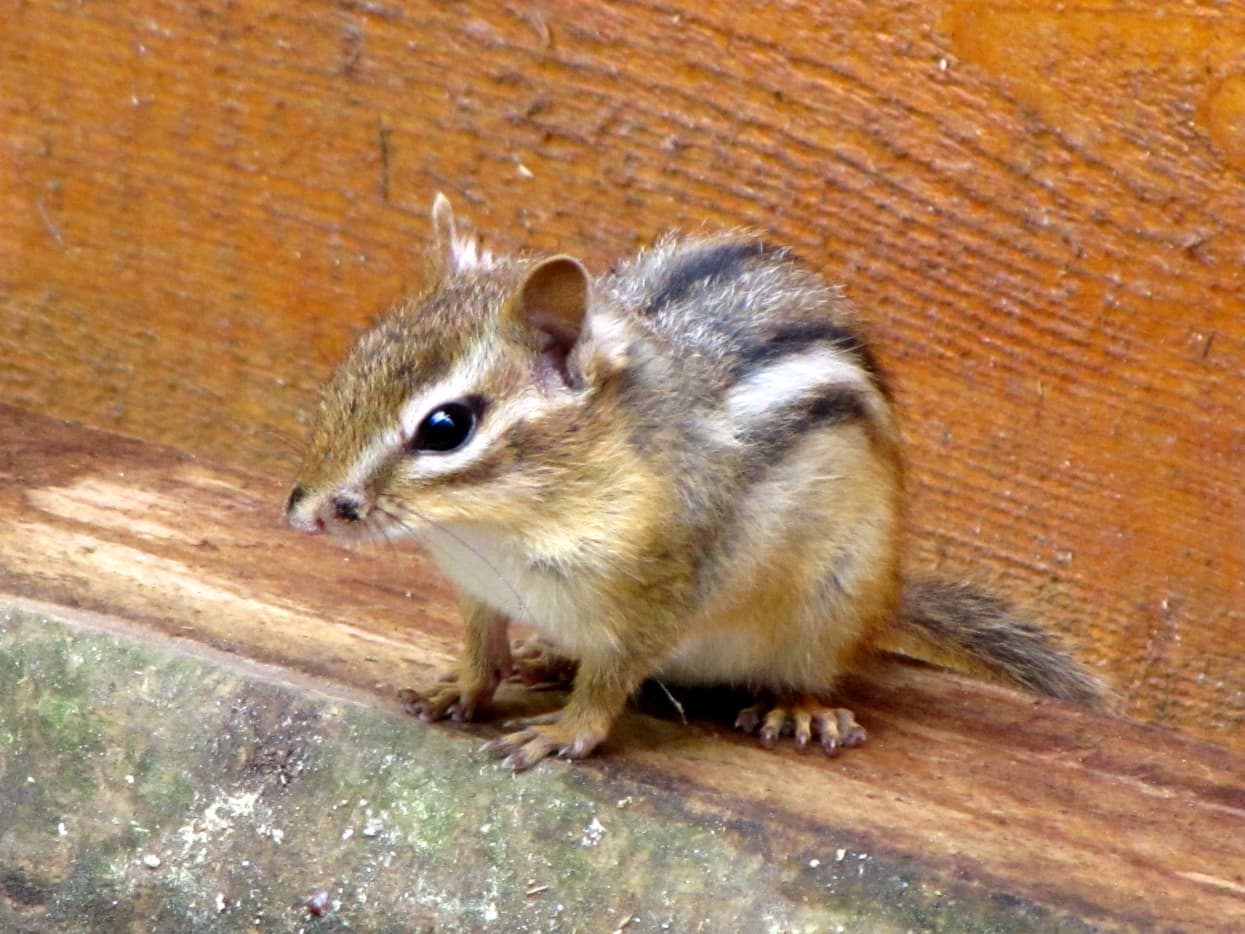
(963, 788)
(1038, 205)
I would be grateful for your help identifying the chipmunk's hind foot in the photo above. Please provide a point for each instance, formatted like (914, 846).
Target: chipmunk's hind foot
(804, 717)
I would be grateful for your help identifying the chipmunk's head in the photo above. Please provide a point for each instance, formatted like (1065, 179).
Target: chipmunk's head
(467, 405)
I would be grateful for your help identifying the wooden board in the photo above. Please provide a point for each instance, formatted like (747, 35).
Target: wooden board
(1096, 819)
(1038, 205)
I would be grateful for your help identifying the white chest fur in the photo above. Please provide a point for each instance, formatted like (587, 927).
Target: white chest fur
(501, 576)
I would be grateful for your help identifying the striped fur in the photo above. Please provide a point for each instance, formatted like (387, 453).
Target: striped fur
(688, 468)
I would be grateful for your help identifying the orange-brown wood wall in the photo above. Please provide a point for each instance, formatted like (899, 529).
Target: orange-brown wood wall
(1040, 206)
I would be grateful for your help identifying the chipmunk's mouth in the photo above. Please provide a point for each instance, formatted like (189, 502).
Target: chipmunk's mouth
(346, 513)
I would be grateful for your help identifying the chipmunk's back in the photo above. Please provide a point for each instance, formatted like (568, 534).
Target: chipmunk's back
(732, 304)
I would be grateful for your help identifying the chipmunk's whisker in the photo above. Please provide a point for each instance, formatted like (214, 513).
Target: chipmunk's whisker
(450, 533)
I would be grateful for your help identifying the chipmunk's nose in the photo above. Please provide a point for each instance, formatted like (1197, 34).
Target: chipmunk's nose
(349, 506)
(313, 512)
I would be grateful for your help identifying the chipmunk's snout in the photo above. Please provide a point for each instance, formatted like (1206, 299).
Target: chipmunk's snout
(348, 506)
(300, 513)
(307, 512)
(297, 495)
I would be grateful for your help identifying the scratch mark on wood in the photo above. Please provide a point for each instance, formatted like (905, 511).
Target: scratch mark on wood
(50, 227)
(382, 133)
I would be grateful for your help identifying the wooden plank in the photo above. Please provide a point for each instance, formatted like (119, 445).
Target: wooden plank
(255, 788)
(1098, 819)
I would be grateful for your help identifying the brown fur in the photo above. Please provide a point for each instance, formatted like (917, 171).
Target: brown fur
(687, 469)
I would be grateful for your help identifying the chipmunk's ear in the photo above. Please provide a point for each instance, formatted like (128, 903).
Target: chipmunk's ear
(552, 303)
(444, 235)
(450, 252)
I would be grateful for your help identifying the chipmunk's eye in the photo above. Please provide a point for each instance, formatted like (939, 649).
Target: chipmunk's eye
(445, 428)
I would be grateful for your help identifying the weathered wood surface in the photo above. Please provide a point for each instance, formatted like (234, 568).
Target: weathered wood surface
(255, 788)
(1094, 819)
(1039, 204)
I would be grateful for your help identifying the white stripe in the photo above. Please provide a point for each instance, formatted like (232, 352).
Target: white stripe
(789, 379)
(497, 420)
(462, 382)
(377, 451)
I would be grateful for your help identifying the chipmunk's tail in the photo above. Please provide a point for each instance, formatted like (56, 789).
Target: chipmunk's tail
(961, 627)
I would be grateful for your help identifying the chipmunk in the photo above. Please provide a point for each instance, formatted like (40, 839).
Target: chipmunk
(687, 469)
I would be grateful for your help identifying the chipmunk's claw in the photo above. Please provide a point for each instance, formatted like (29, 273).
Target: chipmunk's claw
(804, 718)
(543, 736)
(448, 701)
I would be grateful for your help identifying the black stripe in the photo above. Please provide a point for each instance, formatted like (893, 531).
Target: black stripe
(792, 338)
(832, 405)
(715, 262)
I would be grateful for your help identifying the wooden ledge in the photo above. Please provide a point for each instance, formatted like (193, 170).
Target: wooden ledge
(966, 792)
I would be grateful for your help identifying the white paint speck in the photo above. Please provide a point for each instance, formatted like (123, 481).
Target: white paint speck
(592, 833)
(814, 863)
(151, 861)
(840, 854)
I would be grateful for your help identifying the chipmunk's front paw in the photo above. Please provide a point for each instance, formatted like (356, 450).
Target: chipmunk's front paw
(551, 734)
(537, 663)
(803, 717)
(456, 700)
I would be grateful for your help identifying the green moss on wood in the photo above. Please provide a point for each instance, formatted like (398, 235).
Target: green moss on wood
(174, 793)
